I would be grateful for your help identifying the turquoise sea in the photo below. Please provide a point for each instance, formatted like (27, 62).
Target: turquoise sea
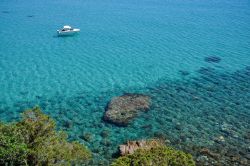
(192, 57)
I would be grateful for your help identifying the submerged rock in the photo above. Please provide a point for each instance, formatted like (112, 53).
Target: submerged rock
(105, 133)
(67, 124)
(212, 59)
(6, 12)
(122, 109)
(207, 152)
(86, 136)
(206, 71)
(184, 73)
(219, 139)
(106, 142)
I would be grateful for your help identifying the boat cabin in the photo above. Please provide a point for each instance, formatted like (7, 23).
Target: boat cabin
(67, 28)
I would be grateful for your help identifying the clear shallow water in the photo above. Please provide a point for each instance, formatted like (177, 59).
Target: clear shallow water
(130, 46)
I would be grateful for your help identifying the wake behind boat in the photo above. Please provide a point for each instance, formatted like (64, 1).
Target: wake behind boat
(67, 30)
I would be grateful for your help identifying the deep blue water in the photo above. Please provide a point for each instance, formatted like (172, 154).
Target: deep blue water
(162, 48)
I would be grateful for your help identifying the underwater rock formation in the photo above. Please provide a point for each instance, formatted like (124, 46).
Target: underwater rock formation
(122, 109)
(86, 137)
(184, 73)
(212, 59)
(6, 12)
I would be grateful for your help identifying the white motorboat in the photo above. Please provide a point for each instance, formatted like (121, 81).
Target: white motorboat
(67, 30)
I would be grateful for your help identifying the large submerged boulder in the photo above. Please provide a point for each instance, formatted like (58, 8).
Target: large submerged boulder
(122, 109)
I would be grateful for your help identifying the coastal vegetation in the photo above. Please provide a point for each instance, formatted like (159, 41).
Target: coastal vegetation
(34, 141)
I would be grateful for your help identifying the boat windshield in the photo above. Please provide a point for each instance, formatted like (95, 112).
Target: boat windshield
(67, 29)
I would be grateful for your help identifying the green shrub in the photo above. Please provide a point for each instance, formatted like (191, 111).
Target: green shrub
(13, 150)
(159, 155)
(35, 141)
